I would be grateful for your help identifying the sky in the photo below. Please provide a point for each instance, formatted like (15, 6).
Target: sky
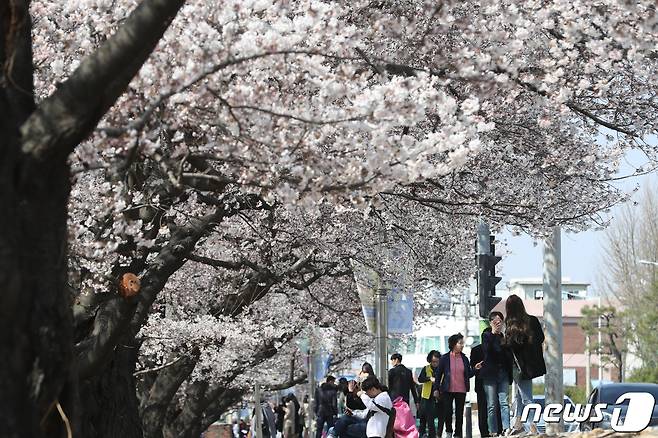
(582, 255)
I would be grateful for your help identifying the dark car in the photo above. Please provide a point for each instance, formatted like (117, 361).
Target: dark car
(609, 394)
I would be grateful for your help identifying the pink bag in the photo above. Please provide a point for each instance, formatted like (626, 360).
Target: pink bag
(405, 424)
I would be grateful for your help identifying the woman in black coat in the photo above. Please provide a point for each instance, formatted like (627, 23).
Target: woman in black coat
(524, 337)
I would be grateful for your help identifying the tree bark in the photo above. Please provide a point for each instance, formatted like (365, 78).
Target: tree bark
(163, 390)
(110, 399)
(35, 321)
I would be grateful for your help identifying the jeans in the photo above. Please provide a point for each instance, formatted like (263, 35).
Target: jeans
(322, 419)
(459, 399)
(496, 390)
(345, 426)
(523, 395)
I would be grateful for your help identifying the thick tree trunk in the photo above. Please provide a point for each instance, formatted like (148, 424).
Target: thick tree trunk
(35, 322)
(111, 406)
(154, 408)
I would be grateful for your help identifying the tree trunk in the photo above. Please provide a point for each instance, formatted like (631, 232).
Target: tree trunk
(154, 408)
(35, 320)
(111, 406)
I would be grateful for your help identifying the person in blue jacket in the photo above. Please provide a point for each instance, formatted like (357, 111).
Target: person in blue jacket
(453, 379)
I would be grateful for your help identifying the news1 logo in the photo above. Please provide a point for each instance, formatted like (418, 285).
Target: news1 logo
(637, 417)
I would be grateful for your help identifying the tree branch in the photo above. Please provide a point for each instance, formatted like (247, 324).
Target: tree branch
(70, 114)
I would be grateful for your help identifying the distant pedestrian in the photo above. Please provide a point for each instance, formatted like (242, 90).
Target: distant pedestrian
(243, 429)
(453, 380)
(524, 336)
(326, 405)
(342, 391)
(366, 371)
(235, 429)
(299, 425)
(429, 398)
(401, 380)
(496, 374)
(289, 419)
(304, 412)
(268, 426)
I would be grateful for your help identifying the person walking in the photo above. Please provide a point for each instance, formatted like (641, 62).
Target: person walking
(304, 412)
(401, 380)
(289, 419)
(429, 397)
(268, 426)
(524, 337)
(453, 380)
(326, 405)
(299, 425)
(496, 374)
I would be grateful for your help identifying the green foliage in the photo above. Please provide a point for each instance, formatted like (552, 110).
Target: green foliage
(646, 329)
(646, 374)
(576, 393)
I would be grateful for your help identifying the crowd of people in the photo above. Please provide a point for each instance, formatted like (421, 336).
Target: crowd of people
(510, 353)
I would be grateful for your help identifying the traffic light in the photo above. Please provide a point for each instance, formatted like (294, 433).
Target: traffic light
(487, 280)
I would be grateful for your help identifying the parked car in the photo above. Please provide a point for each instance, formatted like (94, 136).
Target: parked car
(609, 394)
(541, 425)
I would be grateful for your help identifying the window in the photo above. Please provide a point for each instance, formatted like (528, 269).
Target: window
(426, 344)
(569, 376)
(539, 294)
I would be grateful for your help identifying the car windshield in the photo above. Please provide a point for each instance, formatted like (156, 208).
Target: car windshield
(611, 394)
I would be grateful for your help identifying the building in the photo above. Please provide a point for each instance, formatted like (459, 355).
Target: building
(533, 289)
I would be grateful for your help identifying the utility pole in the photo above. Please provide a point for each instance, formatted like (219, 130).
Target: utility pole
(310, 418)
(381, 347)
(259, 412)
(599, 347)
(553, 323)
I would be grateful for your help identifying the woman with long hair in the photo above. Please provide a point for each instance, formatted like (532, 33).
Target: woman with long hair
(524, 336)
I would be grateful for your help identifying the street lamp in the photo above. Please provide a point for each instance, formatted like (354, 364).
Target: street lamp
(648, 262)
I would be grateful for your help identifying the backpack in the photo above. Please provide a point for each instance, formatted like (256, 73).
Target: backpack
(405, 423)
(390, 426)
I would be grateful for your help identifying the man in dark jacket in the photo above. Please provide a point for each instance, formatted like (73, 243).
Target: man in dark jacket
(326, 405)
(401, 380)
(478, 356)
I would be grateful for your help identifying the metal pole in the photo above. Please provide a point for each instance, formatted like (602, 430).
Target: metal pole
(553, 323)
(259, 412)
(484, 243)
(469, 419)
(381, 350)
(310, 417)
(599, 347)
